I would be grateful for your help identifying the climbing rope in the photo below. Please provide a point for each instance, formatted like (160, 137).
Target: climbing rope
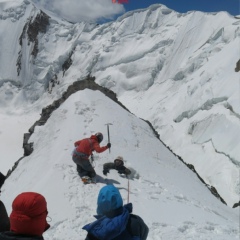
(92, 161)
(128, 190)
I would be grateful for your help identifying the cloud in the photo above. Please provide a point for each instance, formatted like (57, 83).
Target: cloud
(82, 10)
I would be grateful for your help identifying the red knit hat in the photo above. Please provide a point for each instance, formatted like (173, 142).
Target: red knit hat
(29, 212)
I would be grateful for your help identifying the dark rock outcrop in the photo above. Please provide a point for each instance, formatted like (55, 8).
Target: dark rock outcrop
(237, 69)
(68, 62)
(36, 26)
(32, 28)
(236, 205)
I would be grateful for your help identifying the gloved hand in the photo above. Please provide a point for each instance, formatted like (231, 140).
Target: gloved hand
(121, 171)
(127, 171)
(105, 172)
(109, 145)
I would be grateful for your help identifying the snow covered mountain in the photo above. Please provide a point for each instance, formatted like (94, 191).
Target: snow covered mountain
(175, 70)
(165, 193)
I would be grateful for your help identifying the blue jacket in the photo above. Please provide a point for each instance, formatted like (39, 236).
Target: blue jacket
(117, 225)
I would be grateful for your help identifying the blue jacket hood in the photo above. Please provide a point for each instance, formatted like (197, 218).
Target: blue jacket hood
(109, 199)
(105, 228)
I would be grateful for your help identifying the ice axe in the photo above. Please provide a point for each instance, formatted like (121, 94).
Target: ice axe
(108, 132)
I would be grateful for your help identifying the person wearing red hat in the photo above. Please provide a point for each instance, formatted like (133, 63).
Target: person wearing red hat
(28, 218)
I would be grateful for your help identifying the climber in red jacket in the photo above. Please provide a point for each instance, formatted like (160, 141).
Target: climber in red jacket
(83, 150)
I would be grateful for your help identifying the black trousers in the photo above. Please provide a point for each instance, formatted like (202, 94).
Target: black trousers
(84, 167)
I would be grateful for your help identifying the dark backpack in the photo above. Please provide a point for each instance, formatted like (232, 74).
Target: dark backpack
(137, 227)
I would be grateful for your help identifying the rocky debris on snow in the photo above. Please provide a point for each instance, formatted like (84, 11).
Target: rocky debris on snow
(67, 64)
(237, 69)
(236, 204)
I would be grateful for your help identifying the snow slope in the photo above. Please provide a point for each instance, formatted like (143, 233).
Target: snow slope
(165, 193)
(175, 70)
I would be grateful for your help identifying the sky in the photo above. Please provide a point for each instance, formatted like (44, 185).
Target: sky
(231, 6)
(167, 195)
(106, 10)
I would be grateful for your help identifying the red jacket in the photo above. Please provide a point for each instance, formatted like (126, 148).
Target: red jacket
(88, 145)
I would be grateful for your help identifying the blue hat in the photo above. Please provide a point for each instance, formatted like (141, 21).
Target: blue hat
(109, 199)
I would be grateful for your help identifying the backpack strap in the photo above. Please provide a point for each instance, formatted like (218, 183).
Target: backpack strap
(91, 144)
(137, 227)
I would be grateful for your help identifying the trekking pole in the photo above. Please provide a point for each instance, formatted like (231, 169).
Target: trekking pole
(128, 190)
(108, 133)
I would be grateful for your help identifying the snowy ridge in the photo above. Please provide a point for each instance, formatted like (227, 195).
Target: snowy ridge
(170, 198)
(88, 83)
(160, 63)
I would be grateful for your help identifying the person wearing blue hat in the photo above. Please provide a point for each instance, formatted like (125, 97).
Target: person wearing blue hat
(115, 220)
